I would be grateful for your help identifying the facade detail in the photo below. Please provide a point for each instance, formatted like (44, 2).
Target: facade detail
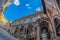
(39, 26)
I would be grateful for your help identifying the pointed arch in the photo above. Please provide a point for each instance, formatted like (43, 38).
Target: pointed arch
(57, 26)
(44, 26)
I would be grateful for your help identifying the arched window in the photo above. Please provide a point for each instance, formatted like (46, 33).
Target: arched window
(30, 35)
(24, 21)
(22, 28)
(30, 19)
(29, 29)
(58, 1)
(57, 26)
(44, 24)
(45, 34)
(49, 0)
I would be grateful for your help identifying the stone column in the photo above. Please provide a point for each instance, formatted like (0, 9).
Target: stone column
(38, 35)
(51, 31)
(25, 32)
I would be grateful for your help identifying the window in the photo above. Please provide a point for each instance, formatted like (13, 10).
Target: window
(30, 19)
(49, 0)
(24, 21)
(39, 17)
(58, 1)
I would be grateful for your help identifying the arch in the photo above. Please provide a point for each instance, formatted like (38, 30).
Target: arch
(57, 26)
(44, 27)
(21, 29)
(29, 32)
(16, 29)
(56, 16)
(44, 24)
(29, 28)
(21, 33)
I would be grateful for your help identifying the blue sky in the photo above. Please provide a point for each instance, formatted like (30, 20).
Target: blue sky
(22, 8)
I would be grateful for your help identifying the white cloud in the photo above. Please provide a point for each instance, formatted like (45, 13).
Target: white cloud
(16, 2)
(27, 5)
(38, 9)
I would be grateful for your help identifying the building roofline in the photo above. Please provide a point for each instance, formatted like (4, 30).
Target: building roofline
(31, 15)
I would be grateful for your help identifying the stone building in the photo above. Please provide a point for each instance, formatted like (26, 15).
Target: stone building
(40, 25)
